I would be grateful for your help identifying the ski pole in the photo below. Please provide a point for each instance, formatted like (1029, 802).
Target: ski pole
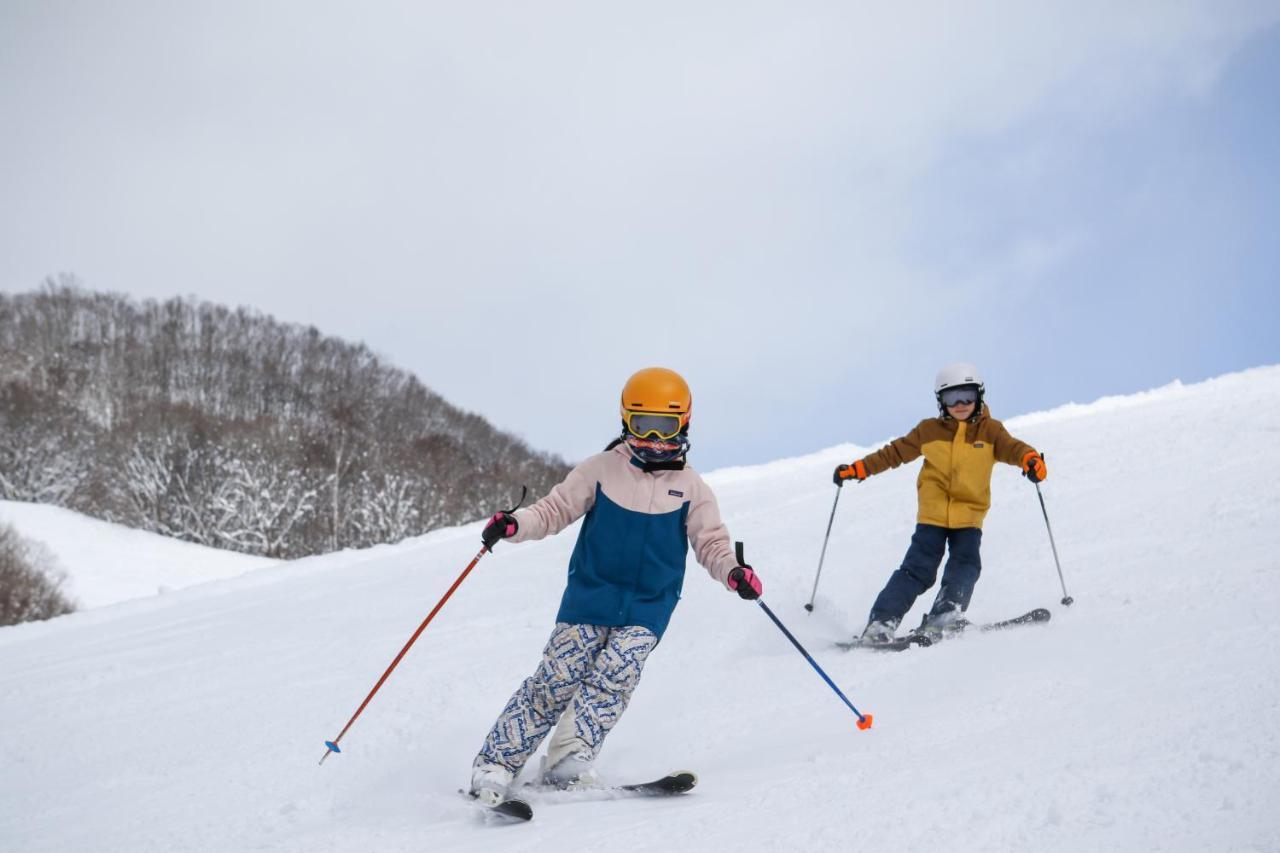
(331, 746)
(864, 720)
(1066, 599)
(823, 555)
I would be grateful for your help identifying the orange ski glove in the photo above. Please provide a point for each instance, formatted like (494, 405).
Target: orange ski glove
(856, 471)
(1033, 467)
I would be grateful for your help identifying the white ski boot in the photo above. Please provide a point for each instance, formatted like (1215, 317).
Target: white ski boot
(879, 632)
(490, 783)
(936, 626)
(572, 771)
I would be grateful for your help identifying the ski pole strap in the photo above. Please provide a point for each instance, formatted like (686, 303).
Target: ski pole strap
(864, 720)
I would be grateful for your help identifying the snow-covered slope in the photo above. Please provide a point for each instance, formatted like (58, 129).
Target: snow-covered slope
(1139, 719)
(105, 563)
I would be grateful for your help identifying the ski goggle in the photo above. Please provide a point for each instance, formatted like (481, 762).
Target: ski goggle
(648, 424)
(961, 396)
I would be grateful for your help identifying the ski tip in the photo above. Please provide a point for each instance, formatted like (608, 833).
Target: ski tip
(517, 810)
(864, 722)
(511, 809)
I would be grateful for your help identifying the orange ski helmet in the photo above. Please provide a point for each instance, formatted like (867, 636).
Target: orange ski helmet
(657, 391)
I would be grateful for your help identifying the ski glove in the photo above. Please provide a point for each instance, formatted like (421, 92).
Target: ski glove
(744, 581)
(1033, 467)
(502, 526)
(856, 471)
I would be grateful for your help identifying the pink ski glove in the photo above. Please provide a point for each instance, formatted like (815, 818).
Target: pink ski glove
(503, 525)
(744, 581)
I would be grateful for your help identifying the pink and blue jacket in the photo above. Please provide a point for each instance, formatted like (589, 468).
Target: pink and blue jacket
(628, 565)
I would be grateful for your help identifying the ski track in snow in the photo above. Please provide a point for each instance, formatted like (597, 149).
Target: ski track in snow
(1139, 719)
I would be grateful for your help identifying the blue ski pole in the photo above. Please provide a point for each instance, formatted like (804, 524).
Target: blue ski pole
(864, 720)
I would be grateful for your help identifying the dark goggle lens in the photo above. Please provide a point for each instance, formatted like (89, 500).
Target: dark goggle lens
(959, 396)
(645, 425)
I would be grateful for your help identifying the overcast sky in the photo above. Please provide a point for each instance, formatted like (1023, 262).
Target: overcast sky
(806, 208)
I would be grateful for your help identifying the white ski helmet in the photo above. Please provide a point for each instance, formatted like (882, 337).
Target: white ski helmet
(958, 375)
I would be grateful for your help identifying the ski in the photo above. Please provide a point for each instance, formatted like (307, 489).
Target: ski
(1040, 614)
(1029, 618)
(897, 644)
(511, 809)
(681, 782)
(916, 638)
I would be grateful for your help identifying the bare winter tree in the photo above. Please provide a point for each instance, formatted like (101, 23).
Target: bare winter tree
(163, 484)
(259, 504)
(388, 508)
(36, 435)
(29, 581)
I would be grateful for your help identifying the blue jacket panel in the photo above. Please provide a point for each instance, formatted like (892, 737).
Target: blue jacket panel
(627, 567)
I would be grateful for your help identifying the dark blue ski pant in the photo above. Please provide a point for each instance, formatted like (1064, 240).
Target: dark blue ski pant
(919, 570)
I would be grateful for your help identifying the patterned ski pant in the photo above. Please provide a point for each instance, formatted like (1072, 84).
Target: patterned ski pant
(594, 667)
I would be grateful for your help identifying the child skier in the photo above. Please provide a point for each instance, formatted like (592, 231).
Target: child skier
(644, 506)
(960, 447)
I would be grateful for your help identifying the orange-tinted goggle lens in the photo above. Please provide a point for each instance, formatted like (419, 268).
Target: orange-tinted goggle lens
(648, 425)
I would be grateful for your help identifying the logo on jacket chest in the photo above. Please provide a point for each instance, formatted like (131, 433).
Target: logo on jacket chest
(674, 493)
(978, 445)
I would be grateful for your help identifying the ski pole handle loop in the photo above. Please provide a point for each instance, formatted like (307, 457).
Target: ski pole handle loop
(524, 492)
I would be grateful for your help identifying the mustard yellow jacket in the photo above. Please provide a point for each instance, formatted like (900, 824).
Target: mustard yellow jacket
(954, 487)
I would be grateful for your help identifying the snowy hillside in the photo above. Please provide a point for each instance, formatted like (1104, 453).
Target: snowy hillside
(106, 563)
(1139, 719)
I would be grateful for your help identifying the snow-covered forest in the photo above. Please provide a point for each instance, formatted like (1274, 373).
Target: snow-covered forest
(226, 428)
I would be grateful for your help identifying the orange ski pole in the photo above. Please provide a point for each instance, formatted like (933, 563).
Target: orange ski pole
(331, 746)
